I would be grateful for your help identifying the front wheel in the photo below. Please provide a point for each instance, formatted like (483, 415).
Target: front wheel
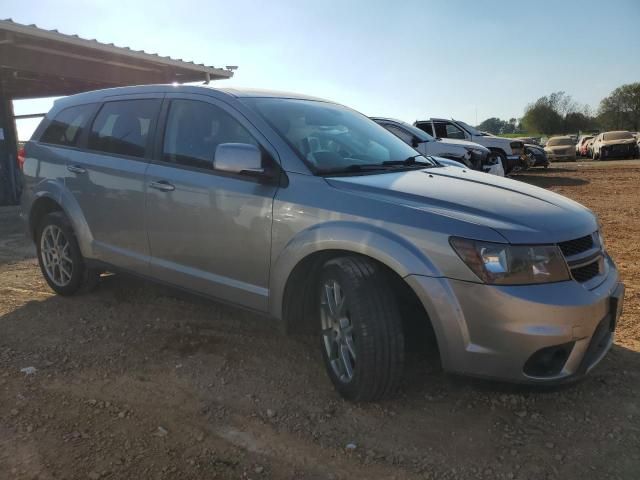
(360, 329)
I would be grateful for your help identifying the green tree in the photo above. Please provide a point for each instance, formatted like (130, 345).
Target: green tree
(621, 109)
(577, 122)
(492, 125)
(542, 117)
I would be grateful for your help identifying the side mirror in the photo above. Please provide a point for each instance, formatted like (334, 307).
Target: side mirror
(415, 142)
(240, 158)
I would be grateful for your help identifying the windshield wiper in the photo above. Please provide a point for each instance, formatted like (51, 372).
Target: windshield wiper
(409, 162)
(386, 166)
(354, 168)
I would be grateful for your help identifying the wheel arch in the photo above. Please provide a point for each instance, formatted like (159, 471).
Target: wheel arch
(298, 265)
(52, 196)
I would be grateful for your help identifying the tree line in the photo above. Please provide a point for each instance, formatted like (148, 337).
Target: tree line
(559, 113)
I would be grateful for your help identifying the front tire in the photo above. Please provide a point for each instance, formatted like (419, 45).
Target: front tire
(59, 256)
(360, 329)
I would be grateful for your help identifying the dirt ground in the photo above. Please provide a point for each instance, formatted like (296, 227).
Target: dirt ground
(135, 381)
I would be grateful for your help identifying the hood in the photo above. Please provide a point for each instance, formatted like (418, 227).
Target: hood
(462, 143)
(533, 146)
(521, 213)
(623, 141)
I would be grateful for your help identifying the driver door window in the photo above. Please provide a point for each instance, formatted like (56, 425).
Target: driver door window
(195, 129)
(454, 131)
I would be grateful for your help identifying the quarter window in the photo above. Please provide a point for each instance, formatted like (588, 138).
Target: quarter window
(195, 129)
(122, 127)
(67, 125)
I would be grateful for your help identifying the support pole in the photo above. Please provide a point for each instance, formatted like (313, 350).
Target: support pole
(10, 185)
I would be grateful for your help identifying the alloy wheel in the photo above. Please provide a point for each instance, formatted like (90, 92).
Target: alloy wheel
(55, 251)
(337, 330)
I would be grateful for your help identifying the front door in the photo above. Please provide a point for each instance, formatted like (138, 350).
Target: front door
(209, 231)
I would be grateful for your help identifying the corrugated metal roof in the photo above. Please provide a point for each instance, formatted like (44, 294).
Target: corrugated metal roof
(33, 30)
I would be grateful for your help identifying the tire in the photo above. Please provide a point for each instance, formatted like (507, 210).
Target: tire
(59, 256)
(358, 316)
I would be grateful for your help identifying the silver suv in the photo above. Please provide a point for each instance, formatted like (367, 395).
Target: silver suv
(311, 213)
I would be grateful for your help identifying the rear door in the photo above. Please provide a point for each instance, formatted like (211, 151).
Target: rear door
(107, 179)
(209, 231)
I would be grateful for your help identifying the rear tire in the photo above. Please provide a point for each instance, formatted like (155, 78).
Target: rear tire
(360, 329)
(59, 256)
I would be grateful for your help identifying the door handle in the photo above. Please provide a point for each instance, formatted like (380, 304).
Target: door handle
(163, 186)
(76, 169)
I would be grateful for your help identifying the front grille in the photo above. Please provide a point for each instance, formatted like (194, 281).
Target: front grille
(574, 247)
(586, 272)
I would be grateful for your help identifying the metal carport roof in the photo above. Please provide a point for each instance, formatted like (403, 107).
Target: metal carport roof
(40, 63)
(45, 63)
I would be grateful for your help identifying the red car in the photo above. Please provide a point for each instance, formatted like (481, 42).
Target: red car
(582, 146)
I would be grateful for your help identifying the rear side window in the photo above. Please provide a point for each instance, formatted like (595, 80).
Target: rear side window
(195, 129)
(67, 125)
(122, 127)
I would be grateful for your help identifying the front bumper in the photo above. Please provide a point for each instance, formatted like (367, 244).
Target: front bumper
(493, 331)
(514, 161)
(560, 156)
(618, 151)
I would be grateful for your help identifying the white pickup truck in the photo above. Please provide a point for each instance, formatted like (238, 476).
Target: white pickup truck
(464, 153)
(510, 151)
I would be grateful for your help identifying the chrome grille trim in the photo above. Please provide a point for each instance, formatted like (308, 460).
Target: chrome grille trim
(584, 257)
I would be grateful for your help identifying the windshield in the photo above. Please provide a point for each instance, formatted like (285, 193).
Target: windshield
(331, 138)
(617, 136)
(554, 142)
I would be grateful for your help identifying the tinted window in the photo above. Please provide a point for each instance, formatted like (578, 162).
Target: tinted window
(454, 132)
(425, 127)
(403, 135)
(67, 125)
(194, 131)
(441, 130)
(122, 127)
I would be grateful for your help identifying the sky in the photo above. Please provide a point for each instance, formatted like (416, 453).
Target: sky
(409, 59)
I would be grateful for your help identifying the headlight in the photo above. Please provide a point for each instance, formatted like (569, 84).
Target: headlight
(505, 264)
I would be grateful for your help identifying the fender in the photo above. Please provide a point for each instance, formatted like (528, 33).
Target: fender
(382, 245)
(55, 190)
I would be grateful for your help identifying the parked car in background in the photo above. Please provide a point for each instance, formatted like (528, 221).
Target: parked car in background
(312, 214)
(588, 147)
(582, 139)
(617, 144)
(560, 148)
(509, 151)
(536, 154)
(468, 154)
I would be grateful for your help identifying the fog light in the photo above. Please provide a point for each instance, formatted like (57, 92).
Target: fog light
(548, 361)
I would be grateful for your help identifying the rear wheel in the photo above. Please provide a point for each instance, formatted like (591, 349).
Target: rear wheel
(360, 329)
(59, 256)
